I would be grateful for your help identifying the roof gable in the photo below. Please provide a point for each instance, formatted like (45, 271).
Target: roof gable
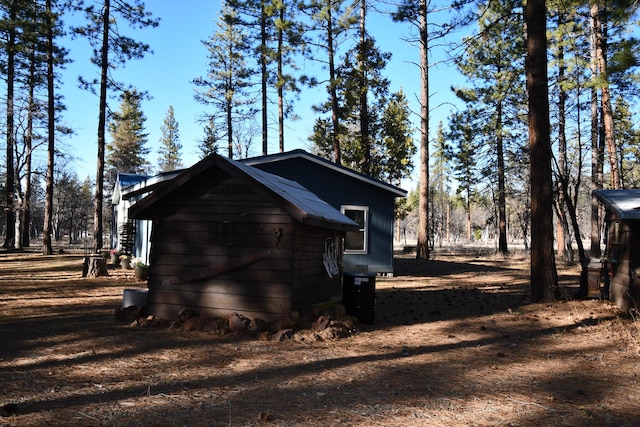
(304, 206)
(272, 158)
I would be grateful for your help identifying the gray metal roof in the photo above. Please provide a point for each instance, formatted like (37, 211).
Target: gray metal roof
(299, 202)
(125, 180)
(128, 179)
(297, 195)
(299, 153)
(625, 203)
(149, 184)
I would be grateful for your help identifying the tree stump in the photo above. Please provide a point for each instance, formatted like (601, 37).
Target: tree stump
(94, 266)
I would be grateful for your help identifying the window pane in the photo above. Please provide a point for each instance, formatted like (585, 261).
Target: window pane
(355, 216)
(354, 241)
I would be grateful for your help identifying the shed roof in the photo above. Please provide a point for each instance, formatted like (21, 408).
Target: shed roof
(299, 153)
(127, 179)
(625, 203)
(123, 181)
(303, 205)
(149, 184)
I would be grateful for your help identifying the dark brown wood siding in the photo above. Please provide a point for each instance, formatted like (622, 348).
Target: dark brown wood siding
(311, 282)
(625, 256)
(221, 249)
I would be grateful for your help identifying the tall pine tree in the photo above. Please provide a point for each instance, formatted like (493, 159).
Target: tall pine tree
(330, 20)
(11, 23)
(493, 64)
(464, 129)
(111, 48)
(226, 85)
(127, 153)
(209, 143)
(544, 276)
(170, 146)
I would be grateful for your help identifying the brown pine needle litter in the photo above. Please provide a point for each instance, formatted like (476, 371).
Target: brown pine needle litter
(455, 343)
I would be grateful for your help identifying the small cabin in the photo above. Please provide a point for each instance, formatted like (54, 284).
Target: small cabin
(134, 234)
(229, 238)
(120, 204)
(621, 259)
(366, 200)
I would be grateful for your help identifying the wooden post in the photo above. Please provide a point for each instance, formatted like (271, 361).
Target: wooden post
(94, 266)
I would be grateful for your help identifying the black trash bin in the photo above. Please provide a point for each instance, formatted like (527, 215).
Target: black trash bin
(359, 295)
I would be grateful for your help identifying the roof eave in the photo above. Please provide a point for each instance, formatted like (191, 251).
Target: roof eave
(331, 225)
(399, 192)
(609, 201)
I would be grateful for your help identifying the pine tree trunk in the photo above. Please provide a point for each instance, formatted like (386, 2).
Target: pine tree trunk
(47, 248)
(230, 128)
(364, 110)
(565, 202)
(332, 88)
(597, 148)
(600, 33)
(280, 84)
(422, 248)
(544, 277)
(102, 122)
(502, 198)
(10, 208)
(264, 75)
(596, 184)
(25, 216)
(561, 227)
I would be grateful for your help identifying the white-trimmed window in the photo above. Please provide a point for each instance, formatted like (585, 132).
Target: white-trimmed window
(355, 242)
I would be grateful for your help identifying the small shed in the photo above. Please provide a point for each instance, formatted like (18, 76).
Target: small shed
(229, 238)
(621, 260)
(367, 201)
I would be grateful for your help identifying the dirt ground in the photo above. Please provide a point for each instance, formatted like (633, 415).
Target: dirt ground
(455, 342)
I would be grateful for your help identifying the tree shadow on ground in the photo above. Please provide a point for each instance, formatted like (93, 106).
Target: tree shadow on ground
(405, 307)
(433, 290)
(72, 363)
(438, 268)
(225, 394)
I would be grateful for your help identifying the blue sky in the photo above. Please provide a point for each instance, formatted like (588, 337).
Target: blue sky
(179, 56)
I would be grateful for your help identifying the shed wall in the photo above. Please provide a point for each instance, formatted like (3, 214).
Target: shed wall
(311, 282)
(220, 251)
(625, 255)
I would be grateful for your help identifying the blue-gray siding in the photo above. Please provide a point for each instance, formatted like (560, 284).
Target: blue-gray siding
(339, 189)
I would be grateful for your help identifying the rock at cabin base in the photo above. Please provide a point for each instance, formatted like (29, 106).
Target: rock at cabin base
(238, 323)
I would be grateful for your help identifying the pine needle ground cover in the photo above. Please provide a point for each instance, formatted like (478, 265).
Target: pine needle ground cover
(455, 342)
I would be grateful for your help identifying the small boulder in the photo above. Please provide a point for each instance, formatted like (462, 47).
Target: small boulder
(217, 326)
(191, 324)
(238, 323)
(281, 335)
(320, 324)
(185, 314)
(258, 325)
